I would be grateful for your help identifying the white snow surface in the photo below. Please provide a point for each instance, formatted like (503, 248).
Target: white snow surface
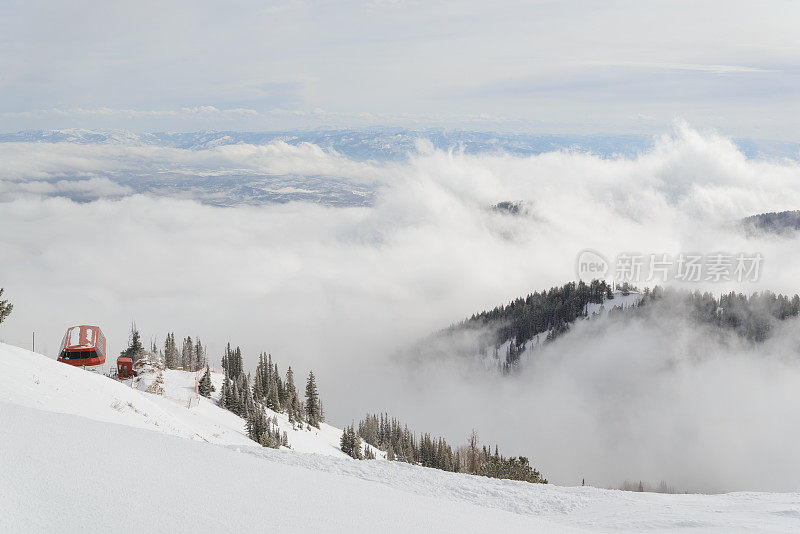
(80, 452)
(39, 382)
(80, 337)
(620, 300)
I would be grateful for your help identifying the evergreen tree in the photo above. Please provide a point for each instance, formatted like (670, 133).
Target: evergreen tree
(258, 386)
(5, 307)
(225, 392)
(135, 348)
(312, 405)
(350, 443)
(273, 397)
(187, 354)
(171, 356)
(200, 355)
(205, 387)
(292, 401)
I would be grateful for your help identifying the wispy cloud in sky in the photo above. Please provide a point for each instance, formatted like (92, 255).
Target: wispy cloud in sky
(378, 62)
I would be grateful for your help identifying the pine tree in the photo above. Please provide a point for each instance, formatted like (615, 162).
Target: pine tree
(258, 387)
(171, 357)
(200, 355)
(225, 392)
(313, 407)
(344, 443)
(273, 399)
(5, 307)
(204, 387)
(135, 348)
(350, 443)
(472, 457)
(292, 402)
(187, 354)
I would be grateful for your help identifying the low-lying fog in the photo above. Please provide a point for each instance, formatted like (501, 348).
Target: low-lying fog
(342, 290)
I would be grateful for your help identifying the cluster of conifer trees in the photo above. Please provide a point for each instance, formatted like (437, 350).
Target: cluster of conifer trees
(554, 310)
(271, 391)
(351, 445)
(190, 357)
(389, 435)
(5, 307)
(752, 317)
(782, 223)
(549, 311)
(265, 429)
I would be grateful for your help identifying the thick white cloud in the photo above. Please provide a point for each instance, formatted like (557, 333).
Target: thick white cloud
(341, 289)
(90, 189)
(46, 161)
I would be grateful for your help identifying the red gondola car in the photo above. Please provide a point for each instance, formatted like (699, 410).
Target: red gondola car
(124, 367)
(83, 346)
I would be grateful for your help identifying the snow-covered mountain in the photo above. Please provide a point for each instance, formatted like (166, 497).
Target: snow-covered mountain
(228, 168)
(83, 452)
(392, 144)
(39, 382)
(510, 335)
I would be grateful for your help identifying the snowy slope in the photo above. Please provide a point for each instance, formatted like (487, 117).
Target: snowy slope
(89, 476)
(496, 357)
(78, 453)
(620, 300)
(36, 381)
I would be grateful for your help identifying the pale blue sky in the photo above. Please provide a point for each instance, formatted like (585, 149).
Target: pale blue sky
(556, 67)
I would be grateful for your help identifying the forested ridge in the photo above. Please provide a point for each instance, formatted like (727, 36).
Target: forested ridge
(780, 223)
(752, 317)
(553, 311)
(549, 311)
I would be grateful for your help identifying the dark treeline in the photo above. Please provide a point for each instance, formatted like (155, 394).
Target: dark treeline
(553, 311)
(781, 223)
(269, 390)
(752, 317)
(401, 444)
(549, 311)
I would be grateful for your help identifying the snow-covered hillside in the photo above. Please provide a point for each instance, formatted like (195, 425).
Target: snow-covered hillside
(82, 452)
(497, 357)
(621, 300)
(39, 382)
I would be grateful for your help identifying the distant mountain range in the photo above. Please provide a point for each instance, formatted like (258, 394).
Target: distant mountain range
(232, 186)
(391, 144)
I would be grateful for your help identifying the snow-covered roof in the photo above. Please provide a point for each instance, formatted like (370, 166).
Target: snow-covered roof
(82, 337)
